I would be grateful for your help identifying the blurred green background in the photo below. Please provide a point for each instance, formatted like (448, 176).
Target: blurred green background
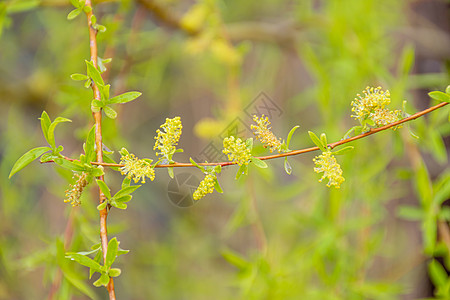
(212, 62)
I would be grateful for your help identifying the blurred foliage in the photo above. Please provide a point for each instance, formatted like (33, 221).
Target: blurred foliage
(270, 235)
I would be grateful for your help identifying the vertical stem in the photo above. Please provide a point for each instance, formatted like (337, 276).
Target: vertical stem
(98, 142)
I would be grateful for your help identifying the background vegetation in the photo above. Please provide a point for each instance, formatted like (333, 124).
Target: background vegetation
(270, 235)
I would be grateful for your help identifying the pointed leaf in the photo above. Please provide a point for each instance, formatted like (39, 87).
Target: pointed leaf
(126, 191)
(103, 280)
(439, 96)
(73, 14)
(111, 253)
(27, 158)
(217, 186)
(170, 170)
(51, 130)
(104, 188)
(114, 272)
(323, 139)
(79, 77)
(343, 150)
(259, 163)
(124, 98)
(84, 260)
(317, 141)
(242, 171)
(291, 133)
(67, 164)
(45, 124)
(102, 205)
(94, 73)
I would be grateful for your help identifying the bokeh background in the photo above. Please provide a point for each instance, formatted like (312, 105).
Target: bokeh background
(212, 62)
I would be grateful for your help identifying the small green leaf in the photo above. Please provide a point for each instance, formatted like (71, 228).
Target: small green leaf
(103, 280)
(447, 89)
(259, 163)
(439, 96)
(89, 146)
(105, 92)
(114, 272)
(67, 164)
(98, 258)
(343, 150)
(235, 259)
(323, 139)
(87, 84)
(51, 130)
(124, 98)
(196, 164)
(317, 141)
(73, 14)
(111, 253)
(218, 169)
(47, 157)
(104, 188)
(291, 133)
(126, 191)
(410, 213)
(102, 205)
(249, 143)
(437, 272)
(84, 260)
(75, 3)
(126, 182)
(123, 199)
(45, 124)
(111, 113)
(27, 158)
(79, 77)
(100, 28)
(217, 186)
(170, 171)
(97, 171)
(243, 170)
(87, 9)
(93, 19)
(94, 73)
(287, 166)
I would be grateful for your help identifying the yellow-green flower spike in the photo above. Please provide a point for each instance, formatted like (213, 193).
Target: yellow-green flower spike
(73, 195)
(383, 117)
(168, 137)
(374, 98)
(236, 150)
(206, 187)
(264, 134)
(136, 169)
(327, 163)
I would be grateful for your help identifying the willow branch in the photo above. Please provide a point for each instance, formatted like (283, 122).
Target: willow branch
(98, 142)
(301, 151)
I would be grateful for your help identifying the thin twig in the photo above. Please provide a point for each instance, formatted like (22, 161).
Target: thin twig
(296, 152)
(98, 142)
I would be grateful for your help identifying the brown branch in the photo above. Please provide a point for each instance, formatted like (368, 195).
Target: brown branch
(301, 151)
(98, 142)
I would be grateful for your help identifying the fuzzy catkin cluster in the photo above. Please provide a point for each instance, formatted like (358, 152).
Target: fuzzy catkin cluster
(372, 106)
(264, 134)
(136, 169)
(327, 163)
(74, 193)
(236, 150)
(206, 187)
(168, 137)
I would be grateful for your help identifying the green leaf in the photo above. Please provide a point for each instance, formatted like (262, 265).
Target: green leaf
(323, 139)
(218, 169)
(73, 14)
(287, 166)
(103, 280)
(89, 146)
(170, 171)
(111, 253)
(97, 171)
(354, 128)
(235, 259)
(48, 157)
(259, 163)
(98, 258)
(217, 186)
(45, 124)
(104, 188)
(75, 3)
(126, 182)
(114, 272)
(123, 199)
(439, 96)
(196, 164)
(79, 77)
(87, 9)
(87, 84)
(51, 130)
(437, 272)
(93, 19)
(105, 92)
(102, 205)
(249, 143)
(317, 141)
(291, 133)
(100, 28)
(119, 205)
(343, 150)
(410, 213)
(111, 113)
(84, 260)
(126, 191)
(242, 171)
(406, 61)
(94, 73)
(124, 98)
(67, 164)
(27, 158)
(447, 90)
